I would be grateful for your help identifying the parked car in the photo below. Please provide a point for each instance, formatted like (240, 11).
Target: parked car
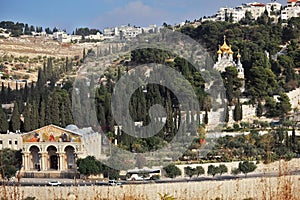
(113, 183)
(54, 183)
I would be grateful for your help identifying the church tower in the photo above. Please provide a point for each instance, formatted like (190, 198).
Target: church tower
(225, 59)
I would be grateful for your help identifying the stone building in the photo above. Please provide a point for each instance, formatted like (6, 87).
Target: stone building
(51, 151)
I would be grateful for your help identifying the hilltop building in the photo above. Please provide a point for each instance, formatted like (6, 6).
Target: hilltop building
(274, 11)
(291, 10)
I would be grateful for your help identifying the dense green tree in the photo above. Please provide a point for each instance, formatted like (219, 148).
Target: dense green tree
(27, 118)
(89, 165)
(10, 162)
(284, 105)
(232, 83)
(259, 109)
(4, 126)
(190, 172)
(55, 109)
(199, 170)
(246, 167)
(213, 170)
(172, 171)
(222, 169)
(15, 122)
(238, 112)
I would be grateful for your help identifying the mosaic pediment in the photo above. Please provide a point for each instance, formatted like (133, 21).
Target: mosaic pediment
(51, 133)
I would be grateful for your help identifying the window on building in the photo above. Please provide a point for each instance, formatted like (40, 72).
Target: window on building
(16, 142)
(0, 141)
(9, 142)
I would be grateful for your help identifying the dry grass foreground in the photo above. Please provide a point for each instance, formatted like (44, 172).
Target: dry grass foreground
(275, 188)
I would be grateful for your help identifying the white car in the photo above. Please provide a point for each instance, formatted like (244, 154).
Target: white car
(54, 183)
(113, 183)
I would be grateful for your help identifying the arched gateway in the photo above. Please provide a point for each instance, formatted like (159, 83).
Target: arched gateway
(51, 150)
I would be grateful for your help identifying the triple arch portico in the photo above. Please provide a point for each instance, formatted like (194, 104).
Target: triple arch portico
(51, 148)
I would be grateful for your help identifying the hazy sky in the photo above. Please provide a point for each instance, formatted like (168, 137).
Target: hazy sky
(69, 14)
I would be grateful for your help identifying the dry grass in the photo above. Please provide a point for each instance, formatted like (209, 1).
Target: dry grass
(284, 186)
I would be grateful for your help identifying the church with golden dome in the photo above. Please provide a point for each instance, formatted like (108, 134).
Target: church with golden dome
(225, 59)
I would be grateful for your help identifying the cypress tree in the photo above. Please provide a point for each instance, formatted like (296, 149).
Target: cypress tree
(34, 116)
(68, 111)
(4, 126)
(15, 119)
(227, 114)
(206, 117)
(3, 96)
(259, 110)
(42, 113)
(27, 118)
(62, 116)
(237, 112)
(55, 109)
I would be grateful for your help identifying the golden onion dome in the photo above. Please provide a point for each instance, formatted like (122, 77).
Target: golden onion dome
(225, 47)
(219, 51)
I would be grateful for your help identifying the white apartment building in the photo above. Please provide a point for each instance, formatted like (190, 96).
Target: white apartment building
(127, 32)
(97, 36)
(291, 10)
(236, 13)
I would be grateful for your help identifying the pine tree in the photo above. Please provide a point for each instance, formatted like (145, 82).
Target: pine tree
(15, 119)
(4, 126)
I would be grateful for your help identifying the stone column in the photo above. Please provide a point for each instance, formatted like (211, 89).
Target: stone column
(43, 161)
(26, 165)
(61, 161)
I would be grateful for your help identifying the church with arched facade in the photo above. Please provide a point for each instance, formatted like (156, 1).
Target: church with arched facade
(51, 149)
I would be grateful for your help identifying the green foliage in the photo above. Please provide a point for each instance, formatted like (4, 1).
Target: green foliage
(15, 121)
(4, 126)
(190, 172)
(10, 162)
(246, 167)
(235, 171)
(213, 170)
(172, 171)
(222, 169)
(238, 112)
(199, 170)
(89, 165)
(232, 84)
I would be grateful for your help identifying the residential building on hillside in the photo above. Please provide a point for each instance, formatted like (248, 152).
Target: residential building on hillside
(291, 10)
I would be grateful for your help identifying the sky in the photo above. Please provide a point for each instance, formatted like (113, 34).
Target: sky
(71, 14)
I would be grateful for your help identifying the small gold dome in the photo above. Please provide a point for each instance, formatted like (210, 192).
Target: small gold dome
(239, 55)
